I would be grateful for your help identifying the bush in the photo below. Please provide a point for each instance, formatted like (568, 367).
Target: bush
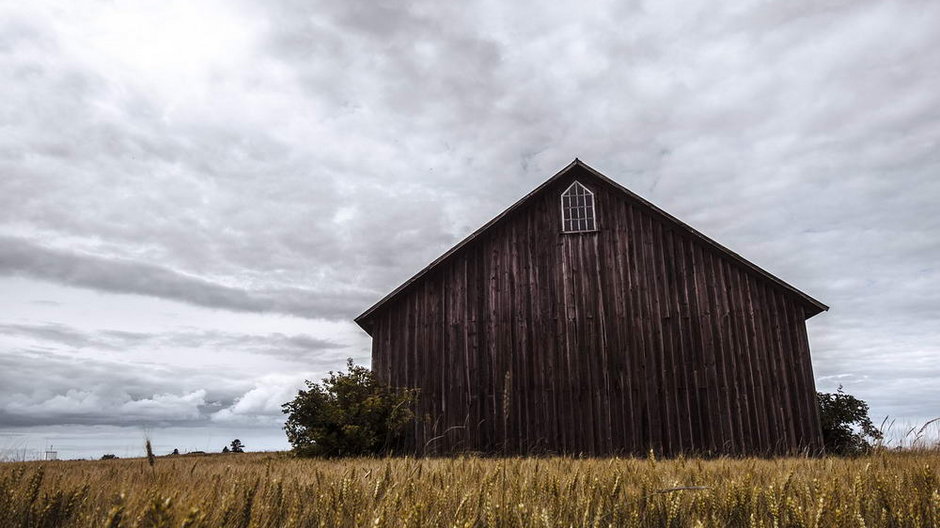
(846, 426)
(349, 414)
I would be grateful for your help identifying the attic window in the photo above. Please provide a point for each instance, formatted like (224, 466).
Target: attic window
(577, 209)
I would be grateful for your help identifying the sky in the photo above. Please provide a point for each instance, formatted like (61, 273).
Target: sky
(197, 197)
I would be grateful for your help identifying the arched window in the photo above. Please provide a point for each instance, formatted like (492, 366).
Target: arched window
(577, 209)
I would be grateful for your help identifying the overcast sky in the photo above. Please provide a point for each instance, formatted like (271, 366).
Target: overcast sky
(196, 197)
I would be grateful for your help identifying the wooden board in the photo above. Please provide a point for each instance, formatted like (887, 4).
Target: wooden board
(635, 337)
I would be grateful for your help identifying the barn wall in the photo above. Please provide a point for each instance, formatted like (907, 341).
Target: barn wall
(632, 338)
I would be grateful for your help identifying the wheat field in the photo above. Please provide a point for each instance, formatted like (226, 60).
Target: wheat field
(272, 490)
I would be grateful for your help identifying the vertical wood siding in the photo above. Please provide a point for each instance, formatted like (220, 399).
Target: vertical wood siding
(631, 338)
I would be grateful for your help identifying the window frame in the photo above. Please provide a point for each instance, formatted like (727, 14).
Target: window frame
(589, 205)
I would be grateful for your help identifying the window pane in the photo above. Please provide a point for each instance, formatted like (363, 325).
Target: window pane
(577, 209)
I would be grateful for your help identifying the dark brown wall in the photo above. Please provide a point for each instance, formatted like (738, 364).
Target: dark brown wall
(631, 338)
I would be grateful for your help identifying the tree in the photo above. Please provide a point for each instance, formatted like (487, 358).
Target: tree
(176, 451)
(349, 414)
(846, 427)
(225, 449)
(237, 446)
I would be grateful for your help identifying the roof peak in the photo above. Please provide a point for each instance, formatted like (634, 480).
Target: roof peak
(819, 307)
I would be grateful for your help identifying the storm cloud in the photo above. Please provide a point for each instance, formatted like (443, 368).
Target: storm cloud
(175, 173)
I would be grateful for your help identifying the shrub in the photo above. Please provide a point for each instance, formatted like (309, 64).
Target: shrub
(846, 426)
(349, 414)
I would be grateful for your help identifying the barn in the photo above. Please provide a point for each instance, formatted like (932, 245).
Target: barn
(585, 320)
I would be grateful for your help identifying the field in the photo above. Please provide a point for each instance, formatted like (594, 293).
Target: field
(249, 490)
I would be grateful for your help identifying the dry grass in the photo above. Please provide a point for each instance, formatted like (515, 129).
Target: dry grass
(253, 490)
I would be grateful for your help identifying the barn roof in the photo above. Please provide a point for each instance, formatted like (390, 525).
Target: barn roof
(815, 306)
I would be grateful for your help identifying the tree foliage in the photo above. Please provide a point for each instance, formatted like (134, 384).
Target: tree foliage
(349, 414)
(237, 446)
(846, 427)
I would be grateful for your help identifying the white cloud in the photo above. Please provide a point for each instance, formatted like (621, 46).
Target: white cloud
(262, 404)
(104, 404)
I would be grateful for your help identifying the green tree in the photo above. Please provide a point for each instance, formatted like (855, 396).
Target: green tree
(237, 446)
(846, 427)
(350, 414)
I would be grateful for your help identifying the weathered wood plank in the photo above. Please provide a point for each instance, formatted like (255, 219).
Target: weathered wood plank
(634, 337)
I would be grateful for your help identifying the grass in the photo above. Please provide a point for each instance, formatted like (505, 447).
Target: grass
(271, 490)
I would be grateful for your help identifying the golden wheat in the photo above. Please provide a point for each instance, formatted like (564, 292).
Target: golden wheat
(273, 490)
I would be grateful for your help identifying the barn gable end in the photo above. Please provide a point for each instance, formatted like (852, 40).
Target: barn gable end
(642, 334)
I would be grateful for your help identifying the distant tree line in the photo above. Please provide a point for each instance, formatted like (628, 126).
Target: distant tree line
(235, 447)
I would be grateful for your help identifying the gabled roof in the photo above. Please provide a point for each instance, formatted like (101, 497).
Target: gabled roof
(811, 302)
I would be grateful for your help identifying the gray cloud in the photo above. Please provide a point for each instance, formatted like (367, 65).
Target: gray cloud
(21, 257)
(290, 347)
(56, 332)
(327, 152)
(802, 135)
(91, 391)
(127, 378)
(83, 390)
(43, 302)
(305, 349)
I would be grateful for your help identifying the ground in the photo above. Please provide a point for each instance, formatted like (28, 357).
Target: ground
(274, 489)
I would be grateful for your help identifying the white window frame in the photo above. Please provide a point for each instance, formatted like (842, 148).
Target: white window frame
(587, 221)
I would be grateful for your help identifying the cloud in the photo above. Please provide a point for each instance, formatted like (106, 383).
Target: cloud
(126, 378)
(305, 160)
(801, 135)
(262, 404)
(308, 350)
(53, 332)
(21, 257)
(87, 391)
(299, 347)
(103, 405)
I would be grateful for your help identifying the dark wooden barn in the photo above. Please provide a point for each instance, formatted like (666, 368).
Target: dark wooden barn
(584, 319)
